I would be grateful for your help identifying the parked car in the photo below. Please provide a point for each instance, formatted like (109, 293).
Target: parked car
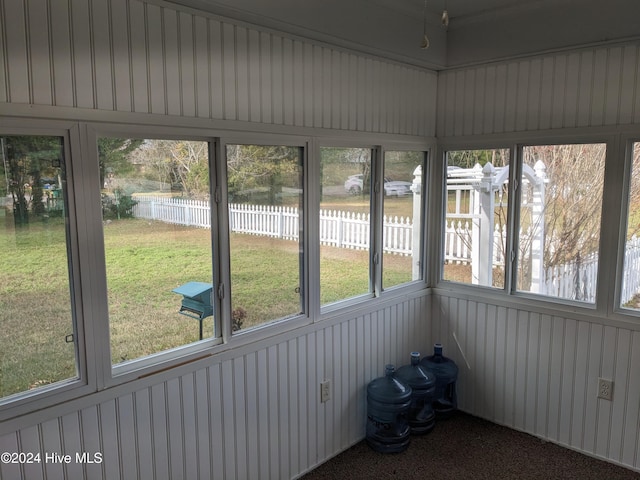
(398, 188)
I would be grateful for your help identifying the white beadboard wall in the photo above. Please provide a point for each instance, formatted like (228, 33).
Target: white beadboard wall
(255, 415)
(530, 371)
(131, 56)
(538, 373)
(584, 88)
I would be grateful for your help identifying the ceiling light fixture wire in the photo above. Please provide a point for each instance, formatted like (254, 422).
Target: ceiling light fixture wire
(425, 40)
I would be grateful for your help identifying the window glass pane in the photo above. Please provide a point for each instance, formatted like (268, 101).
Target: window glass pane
(157, 236)
(631, 271)
(345, 231)
(402, 218)
(35, 292)
(265, 222)
(560, 211)
(475, 227)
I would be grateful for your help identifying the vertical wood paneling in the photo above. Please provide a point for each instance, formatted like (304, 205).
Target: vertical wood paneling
(103, 55)
(584, 88)
(109, 440)
(216, 73)
(61, 58)
(126, 435)
(266, 78)
(593, 87)
(83, 61)
(17, 55)
(30, 442)
(263, 412)
(120, 35)
(160, 432)
(156, 76)
(9, 443)
(186, 62)
(71, 439)
(228, 451)
(242, 66)
(628, 81)
(39, 52)
(91, 437)
(613, 93)
(629, 451)
(541, 375)
(147, 78)
(202, 61)
(50, 436)
(145, 436)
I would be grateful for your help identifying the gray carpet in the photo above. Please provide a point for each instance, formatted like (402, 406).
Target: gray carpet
(466, 447)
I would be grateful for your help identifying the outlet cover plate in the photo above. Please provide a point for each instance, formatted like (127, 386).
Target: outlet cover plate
(605, 389)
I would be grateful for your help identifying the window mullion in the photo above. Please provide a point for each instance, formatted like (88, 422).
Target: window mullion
(376, 221)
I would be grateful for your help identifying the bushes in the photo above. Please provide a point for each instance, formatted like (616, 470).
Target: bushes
(117, 206)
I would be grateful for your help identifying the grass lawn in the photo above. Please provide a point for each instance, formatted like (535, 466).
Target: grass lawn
(145, 261)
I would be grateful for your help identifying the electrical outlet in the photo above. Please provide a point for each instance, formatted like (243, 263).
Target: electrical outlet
(605, 389)
(325, 390)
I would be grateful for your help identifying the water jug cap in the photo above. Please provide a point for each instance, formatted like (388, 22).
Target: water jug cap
(437, 349)
(389, 369)
(415, 358)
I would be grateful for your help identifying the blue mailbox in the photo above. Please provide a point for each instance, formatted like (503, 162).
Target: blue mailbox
(196, 300)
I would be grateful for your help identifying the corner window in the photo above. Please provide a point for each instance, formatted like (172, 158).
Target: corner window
(474, 241)
(561, 190)
(265, 198)
(630, 295)
(156, 214)
(345, 227)
(402, 217)
(38, 339)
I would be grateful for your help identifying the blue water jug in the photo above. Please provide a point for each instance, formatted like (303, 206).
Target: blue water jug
(422, 418)
(388, 404)
(446, 372)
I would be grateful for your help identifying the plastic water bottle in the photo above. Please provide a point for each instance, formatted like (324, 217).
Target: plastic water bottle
(388, 404)
(422, 418)
(446, 372)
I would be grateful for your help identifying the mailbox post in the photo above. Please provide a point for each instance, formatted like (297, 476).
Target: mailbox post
(196, 301)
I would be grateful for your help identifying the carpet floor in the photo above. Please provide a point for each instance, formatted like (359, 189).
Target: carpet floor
(466, 447)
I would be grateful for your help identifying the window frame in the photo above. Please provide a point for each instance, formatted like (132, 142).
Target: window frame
(627, 145)
(85, 382)
(248, 139)
(609, 237)
(114, 374)
(425, 203)
(87, 257)
(444, 149)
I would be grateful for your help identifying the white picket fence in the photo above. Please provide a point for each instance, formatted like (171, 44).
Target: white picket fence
(337, 228)
(351, 230)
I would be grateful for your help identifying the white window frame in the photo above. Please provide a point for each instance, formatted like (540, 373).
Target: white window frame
(24, 402)
(89, 282)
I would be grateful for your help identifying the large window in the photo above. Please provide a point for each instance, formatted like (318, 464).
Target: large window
(557, 237)
(156, 213)
(265, 198)
(476, 196)
(345, 226)
(560, 212)
(37, 335)
(402, 217)
(630, 295)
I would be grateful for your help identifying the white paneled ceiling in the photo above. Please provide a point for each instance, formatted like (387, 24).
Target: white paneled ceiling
(479, 30)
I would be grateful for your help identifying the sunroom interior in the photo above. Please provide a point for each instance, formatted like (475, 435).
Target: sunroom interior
(210, 209)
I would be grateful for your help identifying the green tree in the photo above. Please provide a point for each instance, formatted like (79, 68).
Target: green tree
(113, 156)
(25, 160)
